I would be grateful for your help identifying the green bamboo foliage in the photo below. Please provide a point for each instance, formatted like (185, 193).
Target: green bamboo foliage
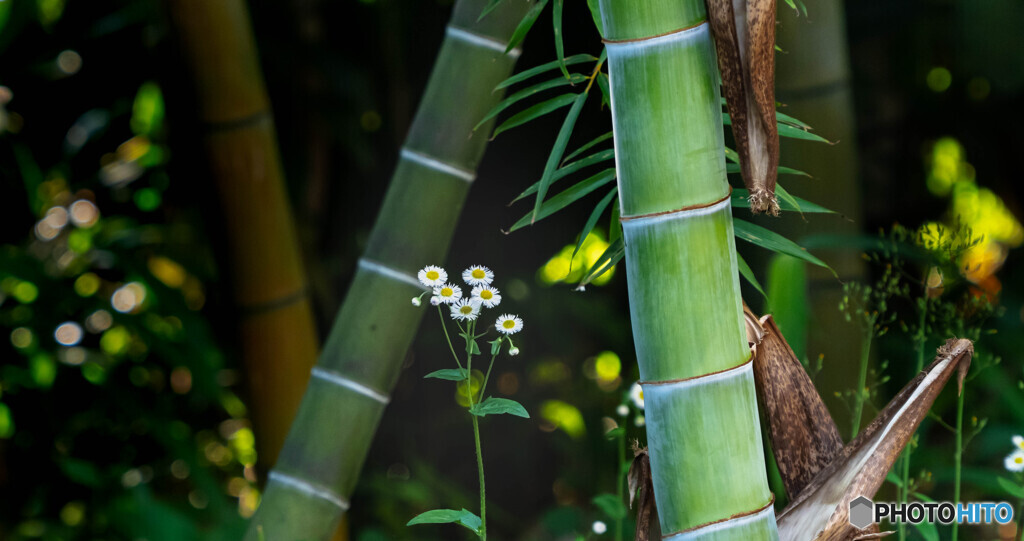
(317, 470)
(703, 434)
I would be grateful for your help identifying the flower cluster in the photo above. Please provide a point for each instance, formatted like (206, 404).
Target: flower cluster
(482, 295)
(1015, 461)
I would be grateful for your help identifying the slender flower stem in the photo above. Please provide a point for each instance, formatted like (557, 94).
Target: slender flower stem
(958, 455)
(862, 380)
(1020, 522)
(920, 339)
(620, 478)
(470, 329)
(444, 327)
(488, 376)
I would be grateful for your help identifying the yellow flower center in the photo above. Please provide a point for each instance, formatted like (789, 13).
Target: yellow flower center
(486, 294)
(1019, 460)
(467, 309)
(479, 274)
(447, 292)
(433, 275)
(509, 323)
(641, 395)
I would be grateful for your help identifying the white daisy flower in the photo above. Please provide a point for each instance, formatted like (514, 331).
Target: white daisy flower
(489, 296)
(508, 324)
(432, 276)
(447, 293)
(636, 394)
(1015, 462)
(477, 275)
(622, 410)
(1018, 441)
(599, 527)
(465, 309)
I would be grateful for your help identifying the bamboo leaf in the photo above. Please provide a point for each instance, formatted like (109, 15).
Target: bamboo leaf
(450, 374)
(748, 274)
(773, 241)
(614, 225)
(448, 516)
(785, 130)
(592, 221)
(499, 406)
(556, 19)
(786, 119)
(534, 112)
(524, 25)
(528, 92)
(611, 505)
(571, 168)
(739, 200)
(1013, 489)
(595, 12)
(566, 198)
(786, 197)
(533, 72)
(606, 91)
(596, 141)
(490, 7)
(557, 152)
(609, 258)
(615, 433)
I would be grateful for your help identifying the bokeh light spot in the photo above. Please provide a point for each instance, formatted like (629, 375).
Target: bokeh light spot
(939, 79)
(564, 416)
(84, 213)
(87, 284)
(607, 366)
(21, 337)
(115, 340)
(147, 199)
(68, 333)
(128, 297)
(69, 62)
(25, 292)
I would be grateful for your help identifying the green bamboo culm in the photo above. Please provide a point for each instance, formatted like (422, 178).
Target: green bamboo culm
(703, 435)
(309, 487)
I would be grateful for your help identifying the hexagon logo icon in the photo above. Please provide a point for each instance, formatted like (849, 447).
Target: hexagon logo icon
(861, 512)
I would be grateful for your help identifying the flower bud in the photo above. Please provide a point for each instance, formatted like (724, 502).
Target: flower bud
(416, 301)
(513, 351)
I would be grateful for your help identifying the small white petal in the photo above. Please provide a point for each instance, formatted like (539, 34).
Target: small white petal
(477, 275)
(432, 276)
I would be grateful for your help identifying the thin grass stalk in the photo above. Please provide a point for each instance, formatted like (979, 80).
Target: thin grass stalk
(267, 274)
(861, 393)
(920, 340)
(958, 455)
(703, 433)
(312, 481)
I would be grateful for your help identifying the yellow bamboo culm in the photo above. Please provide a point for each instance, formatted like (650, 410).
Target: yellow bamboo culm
(278, 337)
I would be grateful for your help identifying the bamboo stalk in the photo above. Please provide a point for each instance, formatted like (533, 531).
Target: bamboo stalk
(319, 466)
(267, 275)
(703, 433)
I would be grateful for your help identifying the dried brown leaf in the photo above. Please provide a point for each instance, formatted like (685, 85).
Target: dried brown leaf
(821, 510)
(744, 32)
(641, 485)
(803, 435)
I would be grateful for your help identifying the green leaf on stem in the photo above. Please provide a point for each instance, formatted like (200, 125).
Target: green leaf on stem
(534, 112)
(773, 241)
(595, 12)
(556, 19)
(448, 516)
(557, 151)
(596, 141)
(497, 406)
(592, 221)
(450, 374)
(1015, 490)
(611, 505)
(496, 345)
(528, 92)
(748, 274)
(554, 64)
(472, 347)
(566, 198)
(490, 7)
(524, 25)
